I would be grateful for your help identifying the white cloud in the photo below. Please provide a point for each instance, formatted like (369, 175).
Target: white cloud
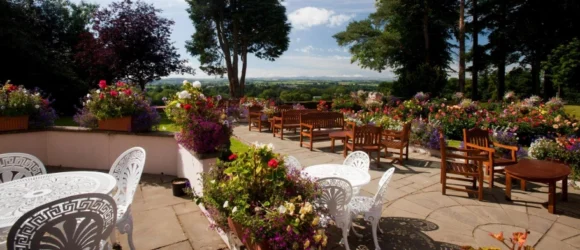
(298, 39)
(308, 17)
(306, 49)
(341, 57)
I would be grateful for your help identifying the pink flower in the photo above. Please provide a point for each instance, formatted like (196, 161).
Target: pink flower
(273, 163)
(127, 91)
(187, 106)
(114, 93)
(101, 96)
(232, 157)
(120, 84)
(102, 84)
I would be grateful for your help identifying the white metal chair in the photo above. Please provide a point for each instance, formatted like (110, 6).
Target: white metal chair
(14, 166)
(76, 222)
(371, 207)
(127, 169)
(360, 160)
(292, 163)
(336, 195)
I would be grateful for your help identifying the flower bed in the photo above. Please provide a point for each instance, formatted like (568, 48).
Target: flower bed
(21, 108)
(268, 203)
(111, 106)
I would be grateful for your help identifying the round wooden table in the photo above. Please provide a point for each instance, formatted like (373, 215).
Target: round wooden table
(539, 171)
(341, 135)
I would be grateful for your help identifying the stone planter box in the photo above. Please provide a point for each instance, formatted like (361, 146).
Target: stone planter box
(9, 123)
(426, 151)
(116, 124)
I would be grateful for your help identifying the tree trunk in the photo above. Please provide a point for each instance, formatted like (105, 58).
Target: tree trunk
(461, 46)
(226, 50)
(535, 63)
(548, 85)
(426, 33)
(475, 68)
(244, 68)
(502, 52)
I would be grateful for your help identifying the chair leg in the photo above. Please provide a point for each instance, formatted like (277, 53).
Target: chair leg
(480, 188)
(113, 237)
(301, 139)
(443, 184)
(344, 151)
(491, 174)
(407, 154)
(375, 224)
(345, 236)
(125, 226)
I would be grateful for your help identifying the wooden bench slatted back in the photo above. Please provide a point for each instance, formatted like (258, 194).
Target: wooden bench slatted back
(255, 117)
(330, 121)
(366, 138)
(288, 119)
(398, 140)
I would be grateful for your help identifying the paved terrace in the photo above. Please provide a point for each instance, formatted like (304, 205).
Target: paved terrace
(417, 216)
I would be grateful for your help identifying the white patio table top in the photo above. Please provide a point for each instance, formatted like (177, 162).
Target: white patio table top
(20, 196)
(355, 176)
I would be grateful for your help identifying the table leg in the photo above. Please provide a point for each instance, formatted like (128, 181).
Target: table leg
(565, 189)
(522, 185)
(508, 187)
(551, 199)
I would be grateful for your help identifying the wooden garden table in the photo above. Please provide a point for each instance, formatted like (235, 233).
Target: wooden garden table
(539, 171)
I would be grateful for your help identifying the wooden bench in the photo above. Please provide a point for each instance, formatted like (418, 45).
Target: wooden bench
(255, 118)
(320, 124)
(289, 119)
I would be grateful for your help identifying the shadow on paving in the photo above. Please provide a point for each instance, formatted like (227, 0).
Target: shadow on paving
(398, 233)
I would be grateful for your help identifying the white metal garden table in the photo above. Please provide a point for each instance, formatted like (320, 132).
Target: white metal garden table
(20, 196)
(355, 176)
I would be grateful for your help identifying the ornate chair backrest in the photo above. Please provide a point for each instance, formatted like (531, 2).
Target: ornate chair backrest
(476, 136)
(14, 166)
(367, 135)
(358, 159)
(381, 195)
(75, 222)
(336, 194)
(292, 163)
(128, 169)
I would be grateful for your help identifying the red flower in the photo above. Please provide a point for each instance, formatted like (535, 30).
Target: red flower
(232, 157)
(12, 88)
(120, 84)
(114, 93)
(102, 84)
(273, 163)
(101, 96)
(187, 106)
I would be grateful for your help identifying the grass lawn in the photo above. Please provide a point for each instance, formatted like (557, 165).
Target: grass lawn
(573, 110)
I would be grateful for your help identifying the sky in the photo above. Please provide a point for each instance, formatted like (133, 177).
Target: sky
(312, 51)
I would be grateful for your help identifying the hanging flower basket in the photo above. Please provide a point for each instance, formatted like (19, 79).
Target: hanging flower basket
(9, 123)
(116, 124)
(239, 232)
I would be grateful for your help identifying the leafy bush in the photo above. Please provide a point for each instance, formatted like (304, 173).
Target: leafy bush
(566, 150)
(271, 203)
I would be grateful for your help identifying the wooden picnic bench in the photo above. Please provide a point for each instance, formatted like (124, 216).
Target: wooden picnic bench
(289, 119)
(320, 124)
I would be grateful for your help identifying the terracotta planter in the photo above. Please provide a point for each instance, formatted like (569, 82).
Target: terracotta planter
(116, 124)
(239, 231)
(8, 123)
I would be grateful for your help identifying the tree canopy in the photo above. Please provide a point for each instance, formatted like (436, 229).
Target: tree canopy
(226, 31)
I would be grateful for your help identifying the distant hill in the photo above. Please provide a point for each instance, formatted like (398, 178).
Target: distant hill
(179, 80)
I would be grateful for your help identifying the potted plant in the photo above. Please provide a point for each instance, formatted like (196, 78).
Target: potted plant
(21, 108)
(425, 136)
(118, 107)
(267, 206)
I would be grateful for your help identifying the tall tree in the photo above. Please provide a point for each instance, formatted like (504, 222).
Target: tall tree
(475, 51)
(412, 37)
(462, 45)
(131, 41)
(226, 31)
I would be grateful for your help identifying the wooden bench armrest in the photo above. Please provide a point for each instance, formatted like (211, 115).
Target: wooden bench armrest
(463, 157)
(471, 145)
(306, 125)
(512, 148)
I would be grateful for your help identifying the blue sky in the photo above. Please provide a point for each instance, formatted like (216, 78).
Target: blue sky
(312, 52)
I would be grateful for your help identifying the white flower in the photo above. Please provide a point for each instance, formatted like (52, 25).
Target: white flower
(37, 94)
(234, 210)
(184, 94)
(185, 82)
(202, 96)
(226, 204)
(196, 84)
(270, 146)
(178, 105)
(212, 181)
(98, 91)
(282, 209)
(88, 95)
(163, 128)
(36, 106)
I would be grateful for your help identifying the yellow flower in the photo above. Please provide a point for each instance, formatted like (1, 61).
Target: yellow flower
(302, 216)
(324, 240)
(306, 244)
(317, 238)
(315, 221)
(498, 236)
(555, 126)
(288, 228)
(308, 207)
(297, 221)
(291, 208)
(295, 245)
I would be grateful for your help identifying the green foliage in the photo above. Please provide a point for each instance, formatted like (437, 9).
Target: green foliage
(564, 65)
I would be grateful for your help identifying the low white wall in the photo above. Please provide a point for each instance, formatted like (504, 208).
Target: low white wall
(77, 148)
(190, 166)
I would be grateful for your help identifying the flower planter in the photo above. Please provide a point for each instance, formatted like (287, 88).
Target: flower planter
(434, 152)
(116, 124)
(8, 123)
(239, 232)
(178, 185)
